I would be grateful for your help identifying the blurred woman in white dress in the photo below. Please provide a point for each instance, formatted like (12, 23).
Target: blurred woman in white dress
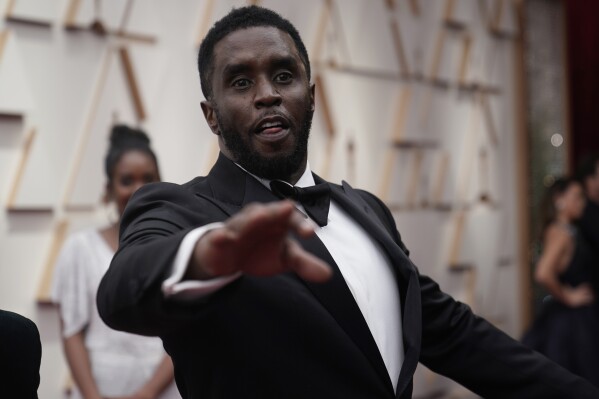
(106, 363)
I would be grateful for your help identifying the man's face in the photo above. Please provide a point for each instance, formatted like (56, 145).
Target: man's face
(262, 102)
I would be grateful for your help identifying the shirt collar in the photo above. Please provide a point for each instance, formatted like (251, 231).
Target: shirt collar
(306, 180)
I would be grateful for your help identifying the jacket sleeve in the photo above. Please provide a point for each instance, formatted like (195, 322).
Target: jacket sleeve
(471, 351)
(156, 220)
(466, 348)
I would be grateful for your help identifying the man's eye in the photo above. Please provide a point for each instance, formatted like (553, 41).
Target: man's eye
(283, 77)
(126, 181)
(241, 83)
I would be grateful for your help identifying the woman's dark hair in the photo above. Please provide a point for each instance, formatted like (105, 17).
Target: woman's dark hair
(587, 167)
(548, 208)
(122, 140)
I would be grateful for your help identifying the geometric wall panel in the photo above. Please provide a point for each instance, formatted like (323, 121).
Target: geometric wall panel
(24, 156)
(45, 284)
(112, 103)
(414, 101)
(125, 19)
(34, 12)
(15, 93)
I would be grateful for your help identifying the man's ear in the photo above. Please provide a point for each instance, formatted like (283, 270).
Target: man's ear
(312, 96)
(210, 116)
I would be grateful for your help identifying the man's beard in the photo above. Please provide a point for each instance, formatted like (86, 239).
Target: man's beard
(276, 167)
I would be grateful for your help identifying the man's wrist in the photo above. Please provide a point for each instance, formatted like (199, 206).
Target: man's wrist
(196, 269)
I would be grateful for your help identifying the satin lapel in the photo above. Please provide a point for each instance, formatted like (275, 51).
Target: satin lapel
(359, 209)
(336, 297)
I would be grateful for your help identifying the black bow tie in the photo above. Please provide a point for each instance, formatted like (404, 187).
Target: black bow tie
(315, 199)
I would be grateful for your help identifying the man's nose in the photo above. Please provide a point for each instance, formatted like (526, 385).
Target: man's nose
(266, 94)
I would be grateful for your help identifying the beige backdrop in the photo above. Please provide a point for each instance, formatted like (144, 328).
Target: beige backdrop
(416, 102)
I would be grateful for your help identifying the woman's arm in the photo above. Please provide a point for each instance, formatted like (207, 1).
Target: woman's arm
(78, 360)
(159, 381)
(555, 247)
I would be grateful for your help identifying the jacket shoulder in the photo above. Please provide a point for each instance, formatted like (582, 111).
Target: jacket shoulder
(384, 215)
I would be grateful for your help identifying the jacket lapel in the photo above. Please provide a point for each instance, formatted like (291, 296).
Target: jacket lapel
(336, 297)
(409, 287)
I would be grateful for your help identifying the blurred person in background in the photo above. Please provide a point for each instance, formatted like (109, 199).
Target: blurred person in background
(588, 174)
(567, 327)
(20, 356)
(106, 363)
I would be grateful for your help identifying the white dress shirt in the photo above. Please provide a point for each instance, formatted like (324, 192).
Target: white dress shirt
(363, 264)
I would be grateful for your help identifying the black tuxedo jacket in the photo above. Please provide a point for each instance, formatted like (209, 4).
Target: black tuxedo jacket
(282, 337)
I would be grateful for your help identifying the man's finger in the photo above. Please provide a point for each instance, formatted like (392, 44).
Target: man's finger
(301, 225)
(256, 216)
(306, 265)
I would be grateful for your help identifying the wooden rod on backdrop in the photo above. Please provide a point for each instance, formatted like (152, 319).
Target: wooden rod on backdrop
(25, 152)
(522, 150)
(439, 185)
(351, 160)
(448, 12)
(253, 2)
(471, 288)
(10, 6)
(414, 7)
(412, 193)
(340, 31)
(72, 10)
(495, 22)
(358, 71)
(490, 122)
(324, 105)
(483, 175)
(125, 18)
(3, 41)
(436, 62)
(91, 115)
(463, 186)
(45, 286)
(323, 20)
(385, 185)
(132, 84)
(464, 61)
(468, 156)
(456, 239)
(399, 48)
(403, 101)
(135, 37)
(205, 21)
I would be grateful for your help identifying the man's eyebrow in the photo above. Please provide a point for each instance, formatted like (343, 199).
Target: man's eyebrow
(285, 62)
(234, 69)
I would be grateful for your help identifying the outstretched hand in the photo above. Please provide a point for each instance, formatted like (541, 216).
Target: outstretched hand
(257, 241)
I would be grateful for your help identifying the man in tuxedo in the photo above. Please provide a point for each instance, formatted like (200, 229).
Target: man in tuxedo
(309, 297)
